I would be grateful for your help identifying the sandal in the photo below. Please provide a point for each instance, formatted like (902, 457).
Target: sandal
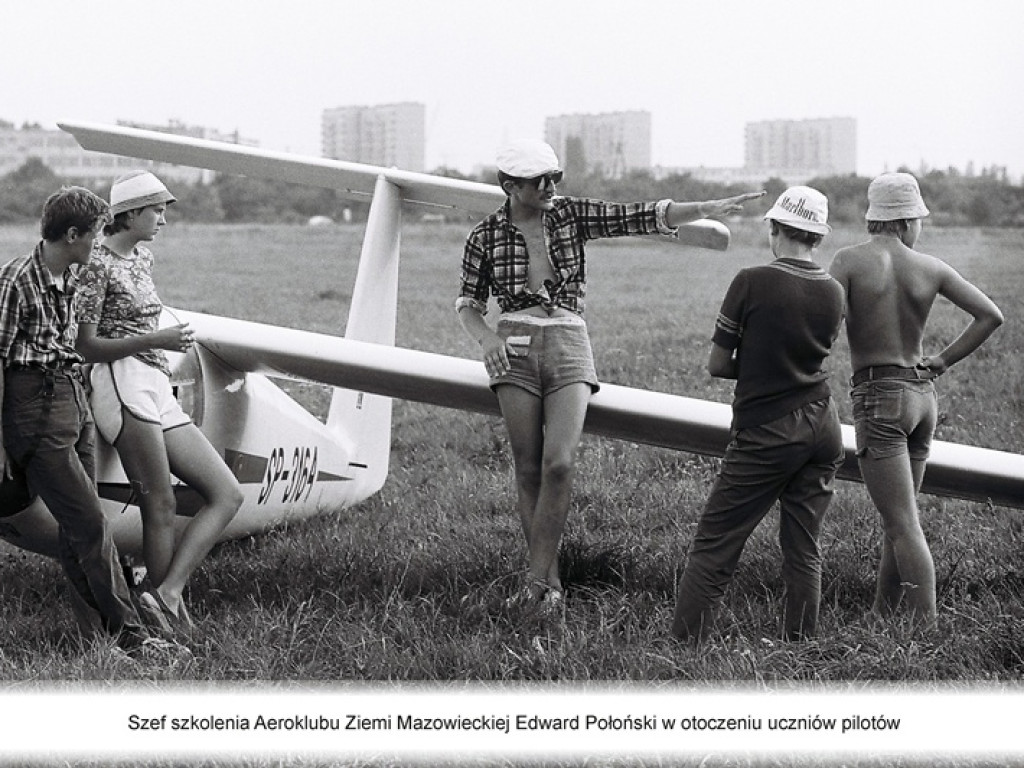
(536, 596)
(553, 602)
(181, 618)
(152, 612)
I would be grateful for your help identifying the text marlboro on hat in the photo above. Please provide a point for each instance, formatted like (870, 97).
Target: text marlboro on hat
(801, 208)
(527, 159)
(893, 196)
(137, 190)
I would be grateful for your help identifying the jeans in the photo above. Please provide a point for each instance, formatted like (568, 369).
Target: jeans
(792, 460)
(892, 416)
(48, 431)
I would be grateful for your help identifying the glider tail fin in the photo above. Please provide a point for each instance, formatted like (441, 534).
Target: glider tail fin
(364, 417)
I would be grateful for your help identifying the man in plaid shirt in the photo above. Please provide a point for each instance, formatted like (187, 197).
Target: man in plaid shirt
(47, 443)
(529, 255)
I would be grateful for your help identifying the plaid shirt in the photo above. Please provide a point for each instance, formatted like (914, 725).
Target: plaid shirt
(495, 261)
(37, 317)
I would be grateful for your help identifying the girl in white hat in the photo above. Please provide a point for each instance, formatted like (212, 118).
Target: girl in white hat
(132, 401)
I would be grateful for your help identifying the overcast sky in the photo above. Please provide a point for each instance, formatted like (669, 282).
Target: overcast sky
(926, 80)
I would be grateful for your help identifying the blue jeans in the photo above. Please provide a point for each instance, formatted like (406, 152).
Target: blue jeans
(48, 431)
(792, 460)
(892, 416)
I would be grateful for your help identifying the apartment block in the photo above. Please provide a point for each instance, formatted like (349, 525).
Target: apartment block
(59, 152)
(802, 148)
(610, 144)
(387, 135)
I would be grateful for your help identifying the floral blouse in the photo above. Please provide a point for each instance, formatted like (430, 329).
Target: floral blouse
(117, 294)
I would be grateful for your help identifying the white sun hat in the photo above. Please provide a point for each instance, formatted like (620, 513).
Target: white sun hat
(893, 196)
(803, 208)
(137, 190)
(527, 159)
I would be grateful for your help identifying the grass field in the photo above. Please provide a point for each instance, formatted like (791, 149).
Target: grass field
(409, 585)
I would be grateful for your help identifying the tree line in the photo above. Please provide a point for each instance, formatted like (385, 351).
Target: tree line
(953, 198)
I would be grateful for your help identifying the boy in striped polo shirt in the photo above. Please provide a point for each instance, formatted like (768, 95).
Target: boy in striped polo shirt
(774, 331)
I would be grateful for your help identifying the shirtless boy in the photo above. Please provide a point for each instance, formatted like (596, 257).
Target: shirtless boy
(890, 288)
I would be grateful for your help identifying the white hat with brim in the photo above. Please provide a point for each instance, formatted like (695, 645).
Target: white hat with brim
(527, 159)
(801, 208)
(137, 190)
(894, 196)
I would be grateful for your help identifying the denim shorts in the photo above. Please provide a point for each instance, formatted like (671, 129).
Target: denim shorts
(546, 354)
(894, 416)
(143, 390)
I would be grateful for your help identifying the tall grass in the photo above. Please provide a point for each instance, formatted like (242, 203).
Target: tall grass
(410, 584)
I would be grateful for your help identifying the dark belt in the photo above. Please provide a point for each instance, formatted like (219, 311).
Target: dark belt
(871, 373)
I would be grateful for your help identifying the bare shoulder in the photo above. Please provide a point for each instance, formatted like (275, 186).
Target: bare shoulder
(926, 264)
(852, 257)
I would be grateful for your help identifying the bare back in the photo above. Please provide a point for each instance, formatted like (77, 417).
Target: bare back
(890, 289)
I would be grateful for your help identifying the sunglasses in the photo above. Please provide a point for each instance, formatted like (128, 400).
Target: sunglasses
(542, 181)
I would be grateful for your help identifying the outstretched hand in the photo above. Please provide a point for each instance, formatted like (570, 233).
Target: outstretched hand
(728, 205)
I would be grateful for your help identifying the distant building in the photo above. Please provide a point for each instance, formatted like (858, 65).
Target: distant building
(61, 154)
(798, 150)
(794, 151)
(389, 135)
(611, 144)
(716, 175)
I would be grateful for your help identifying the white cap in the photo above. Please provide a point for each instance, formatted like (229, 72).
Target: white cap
(893, 196)
(137, 190)
(527, 159)
(801, 208)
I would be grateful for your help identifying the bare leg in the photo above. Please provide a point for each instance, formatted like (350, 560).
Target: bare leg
(544, 437)
(198, 464)
(907, 570)
(524, 419)
(889, 587)
(564, 413)
(144, 458)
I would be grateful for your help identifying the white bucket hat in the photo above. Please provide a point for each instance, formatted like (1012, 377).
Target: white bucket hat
(527, 159)
(893, 196)
(801, 208)
(137, 190)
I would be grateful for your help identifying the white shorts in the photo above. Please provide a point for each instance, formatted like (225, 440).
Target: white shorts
(143, 390)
